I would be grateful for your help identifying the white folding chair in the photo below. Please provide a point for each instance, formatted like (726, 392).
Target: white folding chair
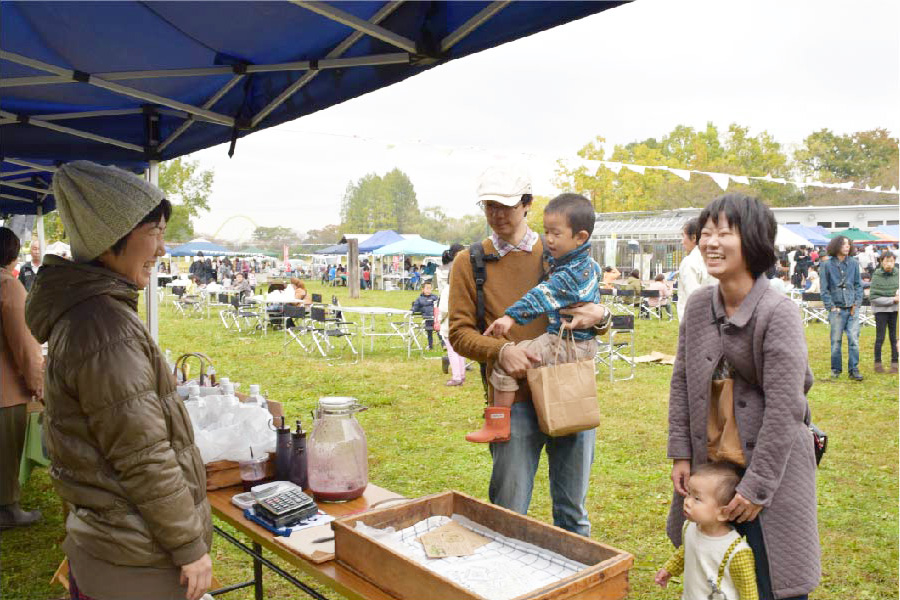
(813, 309)
(619, 345)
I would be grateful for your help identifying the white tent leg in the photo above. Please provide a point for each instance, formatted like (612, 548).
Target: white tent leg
(150, 296)
(39, 223)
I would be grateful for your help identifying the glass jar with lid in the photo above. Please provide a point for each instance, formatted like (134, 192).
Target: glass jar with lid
(337, 452)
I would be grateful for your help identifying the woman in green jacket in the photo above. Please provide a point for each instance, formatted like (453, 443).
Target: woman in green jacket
(884, 299)
(119, 437)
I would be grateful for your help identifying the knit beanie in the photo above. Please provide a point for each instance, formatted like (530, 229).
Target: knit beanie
(99, 205)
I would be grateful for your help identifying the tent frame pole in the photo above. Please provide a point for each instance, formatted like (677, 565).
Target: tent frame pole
(150, 297)
(292, 89)
(37, 122)
(39, 224)
(472, 24)
(119, 89)
(354, 22)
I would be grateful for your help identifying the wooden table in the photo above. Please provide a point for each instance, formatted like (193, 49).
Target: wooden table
(330, 573)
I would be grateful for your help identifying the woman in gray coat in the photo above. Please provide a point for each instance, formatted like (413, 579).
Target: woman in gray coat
(756, 333)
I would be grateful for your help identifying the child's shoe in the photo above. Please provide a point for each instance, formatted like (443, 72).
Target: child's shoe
(496, 426)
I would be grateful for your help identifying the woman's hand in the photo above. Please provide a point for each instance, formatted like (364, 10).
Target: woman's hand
(740, 509)
(681, 472)
(515, 361)
(584, 315)
(662, 578)
(197, 577)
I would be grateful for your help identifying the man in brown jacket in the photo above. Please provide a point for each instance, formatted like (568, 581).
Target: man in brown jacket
(505, 196)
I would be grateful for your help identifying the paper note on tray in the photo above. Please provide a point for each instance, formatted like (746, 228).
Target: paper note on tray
(451, 539)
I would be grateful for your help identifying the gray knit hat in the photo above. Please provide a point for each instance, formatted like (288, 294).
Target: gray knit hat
(99, 205)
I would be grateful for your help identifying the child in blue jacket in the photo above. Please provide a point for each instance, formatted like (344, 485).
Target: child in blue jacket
(425, 304)
(574, 278)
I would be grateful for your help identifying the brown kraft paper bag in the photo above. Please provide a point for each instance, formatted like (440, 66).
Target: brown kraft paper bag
(565, 395)
(723, 441)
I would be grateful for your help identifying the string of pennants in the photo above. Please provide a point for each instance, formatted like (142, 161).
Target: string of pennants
(723, 180)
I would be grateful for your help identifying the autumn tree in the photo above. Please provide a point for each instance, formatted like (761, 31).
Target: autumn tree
(188, 187)
(374, 203)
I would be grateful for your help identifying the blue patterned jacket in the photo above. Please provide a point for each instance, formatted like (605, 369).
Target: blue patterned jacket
(573, 278)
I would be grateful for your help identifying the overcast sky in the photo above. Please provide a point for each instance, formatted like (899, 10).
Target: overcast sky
(633, 72)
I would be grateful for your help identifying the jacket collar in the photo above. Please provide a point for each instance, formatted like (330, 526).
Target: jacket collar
(747, 307)
(578, 252)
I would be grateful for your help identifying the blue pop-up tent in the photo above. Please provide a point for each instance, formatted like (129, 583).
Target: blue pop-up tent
(379, 239)
(194, 247)
(811, 235)
(412, 247)
(145, 81)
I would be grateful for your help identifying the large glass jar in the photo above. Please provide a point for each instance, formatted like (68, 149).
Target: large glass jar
(337, 452)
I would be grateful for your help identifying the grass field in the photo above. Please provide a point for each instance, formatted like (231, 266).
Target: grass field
(415, 428)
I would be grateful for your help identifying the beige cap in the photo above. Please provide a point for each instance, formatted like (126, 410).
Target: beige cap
(504, 184)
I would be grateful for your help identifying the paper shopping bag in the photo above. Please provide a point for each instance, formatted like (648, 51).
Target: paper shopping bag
(565, 397)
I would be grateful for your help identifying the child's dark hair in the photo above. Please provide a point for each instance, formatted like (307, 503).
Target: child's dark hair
(660, 277)
(728, 475)
(578, 211)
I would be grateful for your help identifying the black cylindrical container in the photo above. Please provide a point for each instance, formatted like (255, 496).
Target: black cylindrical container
(282, 452)
(298, 457)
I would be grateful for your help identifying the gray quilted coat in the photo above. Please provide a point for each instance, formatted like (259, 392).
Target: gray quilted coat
(765, 342)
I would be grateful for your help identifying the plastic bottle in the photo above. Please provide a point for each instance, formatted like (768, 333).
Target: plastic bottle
(283, 452)
(228, 392)
(211, 372)
(256, 397)
(298, 457)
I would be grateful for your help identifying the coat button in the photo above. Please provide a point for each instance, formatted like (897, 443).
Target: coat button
(761, 494)
(750, 445)
(709, 358)
(742, 404)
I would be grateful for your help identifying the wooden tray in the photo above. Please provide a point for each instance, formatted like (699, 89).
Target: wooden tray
(606, 577)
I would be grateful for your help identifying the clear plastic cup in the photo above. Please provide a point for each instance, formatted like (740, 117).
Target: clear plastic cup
(253, 471)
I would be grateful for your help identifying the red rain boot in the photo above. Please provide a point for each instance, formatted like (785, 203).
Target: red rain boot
(496, 426)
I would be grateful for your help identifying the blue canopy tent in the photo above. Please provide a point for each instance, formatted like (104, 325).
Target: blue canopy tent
(379, 239)
(139, 82)
(336, 249)
(413, 247)
(25, 188)
(814, 237)
(194, 247)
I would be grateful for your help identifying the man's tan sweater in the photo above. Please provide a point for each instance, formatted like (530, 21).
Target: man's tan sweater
(508, 279)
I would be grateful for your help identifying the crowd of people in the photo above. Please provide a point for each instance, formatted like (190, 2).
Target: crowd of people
(743, 510)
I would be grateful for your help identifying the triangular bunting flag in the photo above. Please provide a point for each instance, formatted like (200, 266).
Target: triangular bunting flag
(636, 168)
(739, 179)
(683, 173)
(615, 167)
(721, 179)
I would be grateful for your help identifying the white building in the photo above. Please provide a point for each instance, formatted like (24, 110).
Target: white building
(650, 241)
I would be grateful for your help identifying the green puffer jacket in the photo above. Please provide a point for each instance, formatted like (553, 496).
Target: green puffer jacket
(119, 437)
(884, 284)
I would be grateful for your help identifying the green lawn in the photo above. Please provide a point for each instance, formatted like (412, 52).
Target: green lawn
(415, 428)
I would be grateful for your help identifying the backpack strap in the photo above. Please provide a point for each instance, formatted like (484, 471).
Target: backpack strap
(478, 259)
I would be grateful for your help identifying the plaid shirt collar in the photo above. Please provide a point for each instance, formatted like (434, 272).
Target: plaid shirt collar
(503, 247)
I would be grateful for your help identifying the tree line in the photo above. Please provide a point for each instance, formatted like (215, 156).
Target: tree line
(389, 201)
(868, 158)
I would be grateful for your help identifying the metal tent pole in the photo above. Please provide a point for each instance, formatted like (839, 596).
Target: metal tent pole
(151, 297)
(39, 222)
